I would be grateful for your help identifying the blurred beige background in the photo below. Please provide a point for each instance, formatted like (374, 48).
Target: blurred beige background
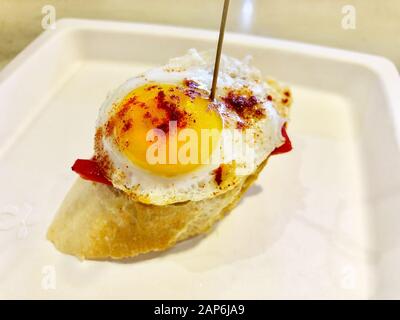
(314, 21)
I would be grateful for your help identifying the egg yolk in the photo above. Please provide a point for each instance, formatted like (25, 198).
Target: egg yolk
(166, 129)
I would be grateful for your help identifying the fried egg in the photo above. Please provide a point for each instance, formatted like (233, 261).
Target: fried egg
(161, 140)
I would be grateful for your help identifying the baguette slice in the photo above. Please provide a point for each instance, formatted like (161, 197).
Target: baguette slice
(96, 221)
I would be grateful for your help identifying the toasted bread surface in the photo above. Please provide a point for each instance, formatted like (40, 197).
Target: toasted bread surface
(96, 221)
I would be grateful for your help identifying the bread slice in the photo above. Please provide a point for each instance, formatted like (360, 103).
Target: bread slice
(96, 221)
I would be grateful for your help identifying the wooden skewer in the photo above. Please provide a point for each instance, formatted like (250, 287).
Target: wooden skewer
(219, 49)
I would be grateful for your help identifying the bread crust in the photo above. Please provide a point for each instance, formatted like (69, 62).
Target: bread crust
(96, 221)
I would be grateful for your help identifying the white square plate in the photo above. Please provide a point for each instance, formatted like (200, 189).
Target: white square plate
(321, 222)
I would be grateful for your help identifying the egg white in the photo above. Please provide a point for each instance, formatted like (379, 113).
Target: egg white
(200, 184)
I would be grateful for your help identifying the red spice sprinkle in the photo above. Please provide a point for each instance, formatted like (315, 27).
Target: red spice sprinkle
(151, 87)
(147, 115)
(287, 93)
(109, 127)
(285, 100)
(190, 83)
(245, 106)
(192, 93)
(154, 120)
(173, 113)
(240, 125)
(164, 127)
(127, 125)
(126, 106)
(269, 97)
(175, 97)
(218, 175)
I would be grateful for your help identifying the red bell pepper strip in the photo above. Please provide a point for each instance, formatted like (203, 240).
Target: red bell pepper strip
(90, 170)
(287, 146)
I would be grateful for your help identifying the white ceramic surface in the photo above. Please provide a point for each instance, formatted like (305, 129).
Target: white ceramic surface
(321, 222)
